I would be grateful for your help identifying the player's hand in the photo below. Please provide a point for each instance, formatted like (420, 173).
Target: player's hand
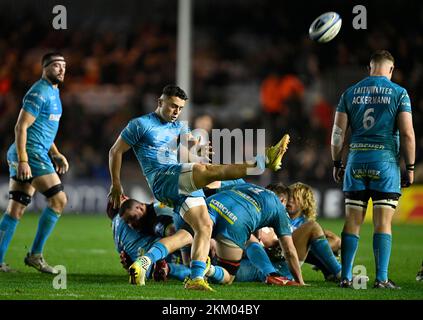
(207, 151)
(338, 174)
(116, 196)
(408, 179)
(125, 260)
(24, 171)
(61, 163)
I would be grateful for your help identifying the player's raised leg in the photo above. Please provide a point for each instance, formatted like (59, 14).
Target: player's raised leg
(20, 196)
(204, 174)
(52, 188)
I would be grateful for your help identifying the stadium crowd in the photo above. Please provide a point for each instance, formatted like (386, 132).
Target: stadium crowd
(259, 72)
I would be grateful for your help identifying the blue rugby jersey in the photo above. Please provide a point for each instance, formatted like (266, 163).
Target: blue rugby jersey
(154, 141)
(372, 106)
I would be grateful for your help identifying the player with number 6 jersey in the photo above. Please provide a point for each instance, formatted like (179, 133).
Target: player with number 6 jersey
(378, 111)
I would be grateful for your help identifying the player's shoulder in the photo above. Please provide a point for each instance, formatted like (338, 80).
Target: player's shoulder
(145, 119)
(116, 222)
(351, 89)
(399, 90)
(247, 185)
(38, 90)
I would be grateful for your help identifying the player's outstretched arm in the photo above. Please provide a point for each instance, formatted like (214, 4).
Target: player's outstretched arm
(291, 257)
(115, 164)
(25, 120)
(340, 126)
(407, 142)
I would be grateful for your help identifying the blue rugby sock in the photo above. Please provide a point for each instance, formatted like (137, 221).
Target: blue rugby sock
(382, 243)
(349, 247)
(197, 269)
(157, 252)
(216, 274)
(46, 225)
(178, 271)
(322, 250)
(259, 258)
(7, 229)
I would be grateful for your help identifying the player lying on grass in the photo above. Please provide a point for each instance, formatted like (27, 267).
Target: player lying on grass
(236, 213)
(307, 237)
(302, 207)
(137, 226)
(152, 221)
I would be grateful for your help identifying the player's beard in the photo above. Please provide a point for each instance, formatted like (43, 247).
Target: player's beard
(54, 79)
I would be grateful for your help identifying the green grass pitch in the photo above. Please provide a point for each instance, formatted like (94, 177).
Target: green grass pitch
(84, 245)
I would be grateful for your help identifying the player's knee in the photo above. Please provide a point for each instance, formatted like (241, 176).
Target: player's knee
(316, 228)
(18, 201)
(312, 227)
(58, 202)
(206, 227)
(16, 212)
(335, 244)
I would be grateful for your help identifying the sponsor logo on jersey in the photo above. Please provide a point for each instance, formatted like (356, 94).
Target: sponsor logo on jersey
(366, 146)
(54, 117)
(366, 173)
(372, 90)
(224, 212)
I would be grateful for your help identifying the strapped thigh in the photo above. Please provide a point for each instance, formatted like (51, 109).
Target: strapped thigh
(21, 197)
(357, 199)
(53, 190)
(385, 199)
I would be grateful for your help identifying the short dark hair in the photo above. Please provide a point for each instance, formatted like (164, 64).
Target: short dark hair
(172, 90)
(48, 58)
(381, 55)
(279, 188)
(126, 205)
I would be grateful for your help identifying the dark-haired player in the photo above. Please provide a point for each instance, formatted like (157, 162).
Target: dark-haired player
(378, 112)
(137, 227)
(31, 158)
(155, 139)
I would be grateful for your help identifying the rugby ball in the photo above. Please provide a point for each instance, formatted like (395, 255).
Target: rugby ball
(325, 27)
